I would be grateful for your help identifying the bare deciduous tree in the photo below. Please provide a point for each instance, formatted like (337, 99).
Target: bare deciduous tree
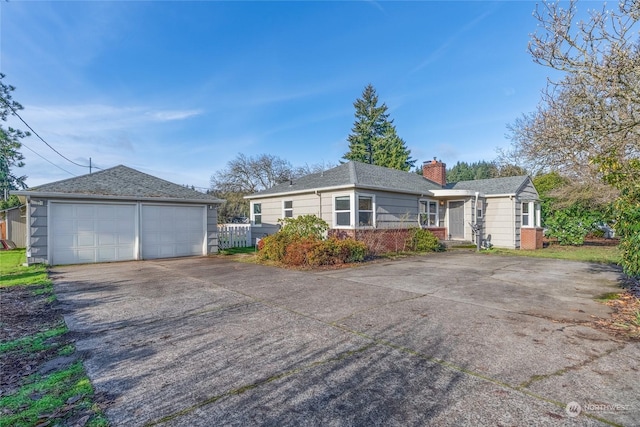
(249, 174)
(589, 118)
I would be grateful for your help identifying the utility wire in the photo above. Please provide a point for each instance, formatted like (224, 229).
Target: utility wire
(45, 159)
(42, 139)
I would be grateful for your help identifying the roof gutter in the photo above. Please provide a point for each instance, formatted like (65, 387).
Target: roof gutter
(338, 187)
(456, 193)
(102, 197)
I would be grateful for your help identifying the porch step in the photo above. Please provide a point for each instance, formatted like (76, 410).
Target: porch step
(457, 244)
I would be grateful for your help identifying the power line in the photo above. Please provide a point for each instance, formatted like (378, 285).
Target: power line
(42, 139)
(45, 159)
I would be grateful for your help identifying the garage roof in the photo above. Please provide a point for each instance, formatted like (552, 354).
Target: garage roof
(120, 182)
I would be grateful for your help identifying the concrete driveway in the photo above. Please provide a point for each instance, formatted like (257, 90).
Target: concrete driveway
(445, 339)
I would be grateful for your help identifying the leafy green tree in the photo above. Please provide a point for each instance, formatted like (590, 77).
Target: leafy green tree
(547, 184)
(10, 156)
(373, 138)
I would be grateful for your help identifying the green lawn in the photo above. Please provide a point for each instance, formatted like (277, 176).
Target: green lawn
(13, 272)
(41, 400)
(236, 251)
(601, 254)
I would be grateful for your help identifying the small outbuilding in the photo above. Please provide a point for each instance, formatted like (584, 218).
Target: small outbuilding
(118, 214)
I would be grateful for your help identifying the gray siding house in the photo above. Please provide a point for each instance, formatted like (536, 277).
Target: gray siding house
(118, 214)
(356, 199)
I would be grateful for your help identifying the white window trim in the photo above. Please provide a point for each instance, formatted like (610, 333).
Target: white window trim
(437, 202)
(253, 216)
(533, 214)
(351, 210)
(373, 210)
(284, 210)
(480, 212)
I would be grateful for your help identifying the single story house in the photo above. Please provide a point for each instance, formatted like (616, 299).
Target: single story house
(13, 225)
(358, 200)
(117, 214)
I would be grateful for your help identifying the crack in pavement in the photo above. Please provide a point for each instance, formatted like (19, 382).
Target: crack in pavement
(561, 372)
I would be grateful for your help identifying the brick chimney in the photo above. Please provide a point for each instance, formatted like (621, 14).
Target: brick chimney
(435, 171)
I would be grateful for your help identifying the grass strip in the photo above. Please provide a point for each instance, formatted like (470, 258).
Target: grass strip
(33, 343)
(50, 397)
(599, 254)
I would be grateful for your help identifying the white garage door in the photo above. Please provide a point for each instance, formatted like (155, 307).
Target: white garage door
(92, 232)
(172, 231)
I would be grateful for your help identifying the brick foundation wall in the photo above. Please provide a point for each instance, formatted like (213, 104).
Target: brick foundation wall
(378, 241)
(439, 232)
(530, 238)
(381, 241)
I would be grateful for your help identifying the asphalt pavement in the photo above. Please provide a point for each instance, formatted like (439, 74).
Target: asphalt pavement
(451, 339)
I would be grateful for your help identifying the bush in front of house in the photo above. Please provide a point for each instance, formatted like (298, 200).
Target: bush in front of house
(334, 251)
(304, 226)
(273, 247)
(301, 242)
(421, 240)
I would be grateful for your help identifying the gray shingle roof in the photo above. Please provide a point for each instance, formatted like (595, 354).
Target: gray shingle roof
(506, 185)
(121, 181)
(356, 174)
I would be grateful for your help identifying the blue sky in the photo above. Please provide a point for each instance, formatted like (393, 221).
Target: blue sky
(177, 89)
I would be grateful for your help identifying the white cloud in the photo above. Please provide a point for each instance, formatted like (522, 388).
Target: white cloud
(172, 115)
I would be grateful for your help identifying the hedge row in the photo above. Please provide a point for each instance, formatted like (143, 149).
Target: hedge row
(289, 250)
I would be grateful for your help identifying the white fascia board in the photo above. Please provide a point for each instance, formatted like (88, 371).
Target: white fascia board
(500, 195)
(456, 193)
(426, 193)
(101, 197)
(292, 192)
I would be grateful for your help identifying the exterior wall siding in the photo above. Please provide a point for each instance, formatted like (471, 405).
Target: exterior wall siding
(396, 210)
(499, 222)
(37, 239)
(212, 230)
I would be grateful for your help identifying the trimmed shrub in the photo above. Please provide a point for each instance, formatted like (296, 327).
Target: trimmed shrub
(333, 251)
(304, 226)
(297, 252)
(274, 247)
(421, 240)
(352, 250)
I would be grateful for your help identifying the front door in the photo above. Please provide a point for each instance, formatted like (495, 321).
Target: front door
(456, 220)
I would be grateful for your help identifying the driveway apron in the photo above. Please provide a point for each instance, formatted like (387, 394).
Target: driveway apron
(444, 339)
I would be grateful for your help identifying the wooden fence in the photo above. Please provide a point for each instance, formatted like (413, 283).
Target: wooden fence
(234, 236)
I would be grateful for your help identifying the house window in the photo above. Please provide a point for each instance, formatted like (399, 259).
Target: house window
(479, 208)
(429, 213)
(365, 211)
(287, 209)
(342, 209)
(257, 213)
(531, 214)
(526, 216)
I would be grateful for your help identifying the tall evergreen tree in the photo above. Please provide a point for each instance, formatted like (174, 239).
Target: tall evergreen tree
(373, 138)
(10, 156)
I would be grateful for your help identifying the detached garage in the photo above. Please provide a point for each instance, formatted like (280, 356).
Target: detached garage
(118, 214)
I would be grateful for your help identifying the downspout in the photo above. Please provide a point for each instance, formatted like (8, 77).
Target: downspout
(513, 220)
(28, 230)
(319, 204)
(475, 220)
